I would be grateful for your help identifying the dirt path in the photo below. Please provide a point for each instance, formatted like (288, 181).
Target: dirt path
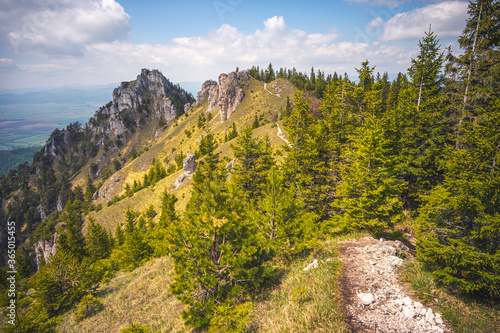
(282, 136)
(375, 301)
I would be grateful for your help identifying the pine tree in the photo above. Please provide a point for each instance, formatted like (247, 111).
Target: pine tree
(421, 119)
(97, 241)
(72, 240)
(284, 225)
(460, 218)
(209, 162)
(216, 252)
(367, 196)
(135, 247)
(308, 162)
(254, 160)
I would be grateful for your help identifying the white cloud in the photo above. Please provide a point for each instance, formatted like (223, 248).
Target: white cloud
(446, 18)
(62, 27)
(205, 57)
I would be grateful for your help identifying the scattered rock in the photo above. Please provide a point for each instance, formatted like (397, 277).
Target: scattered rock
(371, 266)
(178, 182)
(366, 298)
(314, 264)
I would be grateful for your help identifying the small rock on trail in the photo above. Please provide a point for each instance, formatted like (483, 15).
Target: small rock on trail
(374, 299)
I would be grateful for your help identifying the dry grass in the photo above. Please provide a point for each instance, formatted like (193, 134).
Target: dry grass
(465, 315)
(141, 295)
(305, 301)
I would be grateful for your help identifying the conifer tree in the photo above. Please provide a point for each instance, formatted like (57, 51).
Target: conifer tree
(72, 240)
(421, 120)
(284, 224)
(209, 162)
(307, 164)
(367, 196)
(97, 241)
(216, 252)
(460, 218)
(254, 160)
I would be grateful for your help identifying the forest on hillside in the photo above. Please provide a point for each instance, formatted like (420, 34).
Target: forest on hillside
(371, 155)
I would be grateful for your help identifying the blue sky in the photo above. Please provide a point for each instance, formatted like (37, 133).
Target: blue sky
(66, 42)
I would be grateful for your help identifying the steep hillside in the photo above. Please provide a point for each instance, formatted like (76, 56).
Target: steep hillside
(182, 136)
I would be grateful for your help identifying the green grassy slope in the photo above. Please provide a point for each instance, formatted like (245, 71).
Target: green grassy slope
(257, 102)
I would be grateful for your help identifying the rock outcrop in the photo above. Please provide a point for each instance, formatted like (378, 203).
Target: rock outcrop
(44, 249)
(150, 96)
(189, 166)
(227, 95)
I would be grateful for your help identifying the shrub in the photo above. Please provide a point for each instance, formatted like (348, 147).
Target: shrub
(88, 306)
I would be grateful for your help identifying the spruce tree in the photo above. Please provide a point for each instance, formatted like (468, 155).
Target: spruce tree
(216, 252)
(285, 226)
(308, 162)
(97, 241)
(367, 196)
(460, 218)
(421, 119)
(254, 159)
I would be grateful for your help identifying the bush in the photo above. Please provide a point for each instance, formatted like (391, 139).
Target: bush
(135, 328)
(88, 306)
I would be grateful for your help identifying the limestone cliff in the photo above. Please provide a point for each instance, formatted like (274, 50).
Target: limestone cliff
(150, 97)
(227, 95)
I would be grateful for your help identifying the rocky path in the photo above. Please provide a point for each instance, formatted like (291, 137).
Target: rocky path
(375, 300)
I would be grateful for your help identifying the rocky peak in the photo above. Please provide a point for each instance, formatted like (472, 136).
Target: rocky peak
(150, 96)
(227, 94)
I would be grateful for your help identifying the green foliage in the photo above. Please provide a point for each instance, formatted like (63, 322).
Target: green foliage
(63, 281)
(135, 328)
(35, 318)
(216, 252)
(230, 318)
(179, 158)
(10, 159)
(368, 193)
(308, 163)
(285, 226)
(88, 306)
(254, 161)
(97, 241)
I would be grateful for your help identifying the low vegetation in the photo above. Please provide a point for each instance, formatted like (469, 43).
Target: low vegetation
(225, 251)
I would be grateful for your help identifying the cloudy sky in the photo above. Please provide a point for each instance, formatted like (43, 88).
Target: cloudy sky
(64, 42)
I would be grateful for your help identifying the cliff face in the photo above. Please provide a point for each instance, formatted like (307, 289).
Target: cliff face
(44, 249)
(227, 95)
(150, 97)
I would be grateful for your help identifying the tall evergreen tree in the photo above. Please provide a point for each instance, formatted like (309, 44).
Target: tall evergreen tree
(97, 241)
(367, 196)
(254, 160)
(460, 220)
(307, 164)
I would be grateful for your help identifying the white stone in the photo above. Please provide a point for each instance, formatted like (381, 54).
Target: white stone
(423, 311)
(407, 301)
(429, 317)
(438, 319)
(314, 264)
(366, 298)
(409, 311)
(418, 307)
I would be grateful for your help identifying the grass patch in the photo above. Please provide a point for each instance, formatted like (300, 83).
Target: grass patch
(142, 296)
(305, 301)
(464, 314)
